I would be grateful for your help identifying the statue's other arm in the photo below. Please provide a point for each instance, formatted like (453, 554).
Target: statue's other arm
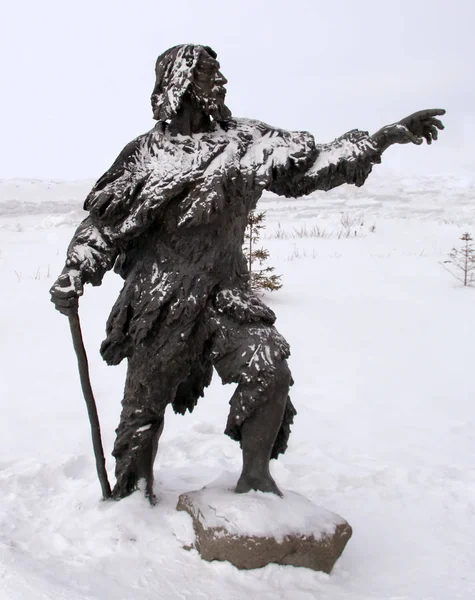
(90, 254)
(93, 251)
(350, 158)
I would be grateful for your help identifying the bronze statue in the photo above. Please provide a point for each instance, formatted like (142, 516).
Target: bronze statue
(169, 216)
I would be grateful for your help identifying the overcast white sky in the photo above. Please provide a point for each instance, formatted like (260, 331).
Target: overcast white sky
(77, 76)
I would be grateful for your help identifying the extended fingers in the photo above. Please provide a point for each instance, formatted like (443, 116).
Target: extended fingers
(428, 113)
(432, 123)
(434, 112)
(423, 125)
(434, 132)
(430, 132)
(437, 123)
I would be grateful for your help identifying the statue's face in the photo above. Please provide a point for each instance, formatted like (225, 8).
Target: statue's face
(208, 87)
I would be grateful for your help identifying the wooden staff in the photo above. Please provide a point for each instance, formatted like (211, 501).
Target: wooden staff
(90, 403)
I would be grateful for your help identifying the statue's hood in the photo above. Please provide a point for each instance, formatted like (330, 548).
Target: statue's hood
(174, 75)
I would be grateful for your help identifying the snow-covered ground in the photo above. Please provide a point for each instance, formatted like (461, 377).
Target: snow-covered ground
(382, 356)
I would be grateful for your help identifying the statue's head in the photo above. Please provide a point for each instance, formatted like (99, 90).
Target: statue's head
(189, 71)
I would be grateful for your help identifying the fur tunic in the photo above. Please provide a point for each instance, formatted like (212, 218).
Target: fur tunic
(171, 214)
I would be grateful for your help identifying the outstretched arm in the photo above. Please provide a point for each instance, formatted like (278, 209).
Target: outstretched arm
(350, 158)
(90, 254)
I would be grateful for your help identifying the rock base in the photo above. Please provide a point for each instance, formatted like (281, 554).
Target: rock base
(254, 529)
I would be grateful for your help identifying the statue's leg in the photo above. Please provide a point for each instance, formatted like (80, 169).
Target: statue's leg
(259, 432)
(149, 388)
(254, 355)
(136, 444)
(155, 378)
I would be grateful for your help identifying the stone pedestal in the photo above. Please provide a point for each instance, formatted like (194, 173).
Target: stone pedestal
(254, 529)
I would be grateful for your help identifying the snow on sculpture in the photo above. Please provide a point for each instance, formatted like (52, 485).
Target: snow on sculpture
(169, 216)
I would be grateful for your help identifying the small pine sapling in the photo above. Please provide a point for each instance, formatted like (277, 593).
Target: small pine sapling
(261, 277)
(462, 261)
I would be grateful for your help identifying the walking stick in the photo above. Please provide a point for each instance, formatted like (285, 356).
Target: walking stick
(78, 344)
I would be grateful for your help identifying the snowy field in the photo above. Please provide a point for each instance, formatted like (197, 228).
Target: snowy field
(383, 352)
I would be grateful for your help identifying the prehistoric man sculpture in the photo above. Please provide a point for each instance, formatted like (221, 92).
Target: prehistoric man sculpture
(169, 216)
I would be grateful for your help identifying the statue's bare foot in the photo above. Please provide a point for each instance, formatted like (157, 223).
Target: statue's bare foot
(260, 484)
